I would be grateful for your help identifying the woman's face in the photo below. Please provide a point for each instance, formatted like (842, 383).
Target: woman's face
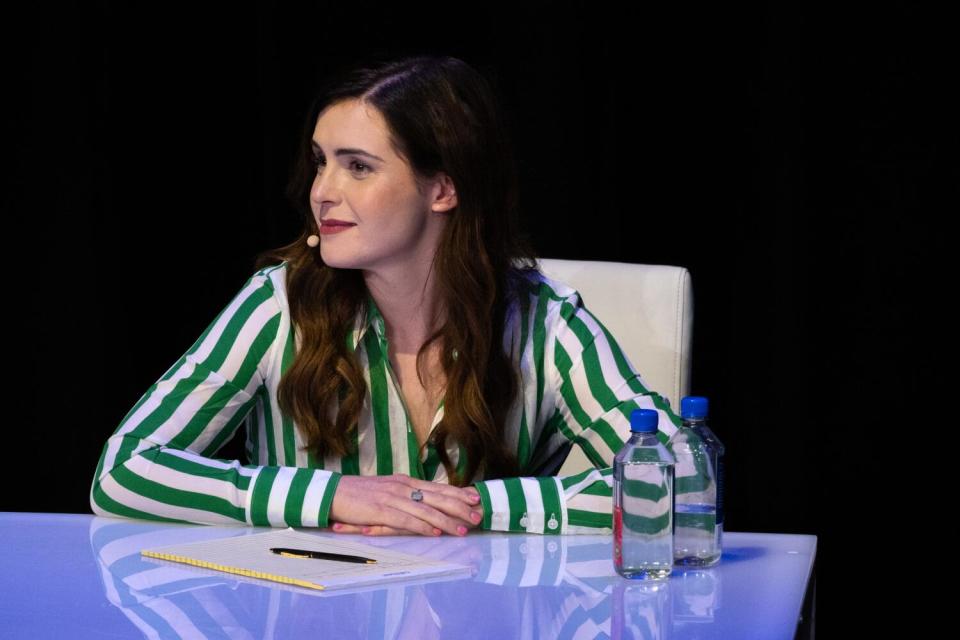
(393, 224)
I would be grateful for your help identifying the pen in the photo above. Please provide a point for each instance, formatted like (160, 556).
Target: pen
(320, 555)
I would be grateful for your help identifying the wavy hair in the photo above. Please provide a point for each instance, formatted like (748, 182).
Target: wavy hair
(442, 115)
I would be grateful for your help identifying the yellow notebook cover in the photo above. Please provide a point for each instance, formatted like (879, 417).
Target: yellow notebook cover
(250, 556)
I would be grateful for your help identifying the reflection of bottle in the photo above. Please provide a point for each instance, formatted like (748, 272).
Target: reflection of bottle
(641, 610)
(643, 502)
(698, 532)
(696, 597)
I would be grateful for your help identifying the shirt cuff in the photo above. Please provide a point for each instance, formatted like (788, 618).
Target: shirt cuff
(523, 505)
(324, 515)
(291, 497)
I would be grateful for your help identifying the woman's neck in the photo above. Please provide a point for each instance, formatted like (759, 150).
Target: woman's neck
(408, 307)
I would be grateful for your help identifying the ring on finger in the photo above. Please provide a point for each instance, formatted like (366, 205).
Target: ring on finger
(416, 495)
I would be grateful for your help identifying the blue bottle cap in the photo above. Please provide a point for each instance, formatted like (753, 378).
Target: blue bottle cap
(693, 407)
(644, 420)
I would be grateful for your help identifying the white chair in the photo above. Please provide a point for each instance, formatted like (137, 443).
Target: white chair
(648, 308)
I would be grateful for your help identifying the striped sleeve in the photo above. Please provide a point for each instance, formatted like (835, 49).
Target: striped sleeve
(159, 464)
(596, 389)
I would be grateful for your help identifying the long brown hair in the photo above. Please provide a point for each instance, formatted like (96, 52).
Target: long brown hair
(442, 115)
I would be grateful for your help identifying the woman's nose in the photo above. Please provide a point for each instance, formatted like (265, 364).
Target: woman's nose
(325, 187)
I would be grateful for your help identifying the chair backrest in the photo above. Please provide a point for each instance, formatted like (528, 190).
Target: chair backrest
(648, 308)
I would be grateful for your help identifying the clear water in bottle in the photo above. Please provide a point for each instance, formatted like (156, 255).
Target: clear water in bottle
(697, 537)
(643, 529)
(643, 503)
(698, 503)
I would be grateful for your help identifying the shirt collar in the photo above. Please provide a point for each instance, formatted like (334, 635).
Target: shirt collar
(373, 319)
(369, 318)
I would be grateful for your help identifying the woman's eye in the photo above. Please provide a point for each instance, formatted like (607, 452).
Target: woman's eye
(319, 161)
(360, 164)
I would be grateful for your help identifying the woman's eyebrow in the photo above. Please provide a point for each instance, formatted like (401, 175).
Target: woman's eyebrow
(346, 152)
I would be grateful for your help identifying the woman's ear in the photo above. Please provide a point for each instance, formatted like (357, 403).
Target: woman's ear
(444, 194)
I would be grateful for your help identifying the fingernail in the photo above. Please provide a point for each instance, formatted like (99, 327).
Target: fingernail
(462, 530)
(337, 526)
(436, 531)
(475, 516)
(366, 529)
(475, 498)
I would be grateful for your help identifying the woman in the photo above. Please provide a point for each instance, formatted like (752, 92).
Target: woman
(402, 367)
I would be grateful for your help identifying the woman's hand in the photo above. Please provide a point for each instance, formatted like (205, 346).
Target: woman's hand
(381, 505)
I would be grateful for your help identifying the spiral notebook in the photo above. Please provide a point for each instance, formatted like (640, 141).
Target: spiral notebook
(250, 556)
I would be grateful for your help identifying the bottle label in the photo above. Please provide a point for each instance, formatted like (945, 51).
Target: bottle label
(720, 491)
(617, 535)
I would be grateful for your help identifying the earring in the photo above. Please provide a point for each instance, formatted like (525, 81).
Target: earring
(313, 240)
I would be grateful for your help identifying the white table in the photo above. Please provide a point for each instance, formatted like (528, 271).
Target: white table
(82, 576)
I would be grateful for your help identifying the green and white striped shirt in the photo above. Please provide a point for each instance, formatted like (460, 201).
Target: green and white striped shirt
(577, 386)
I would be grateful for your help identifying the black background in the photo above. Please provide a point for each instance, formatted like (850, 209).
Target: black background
(799, 160)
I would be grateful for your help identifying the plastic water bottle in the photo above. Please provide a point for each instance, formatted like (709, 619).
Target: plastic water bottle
(643, 502)
(698, 524)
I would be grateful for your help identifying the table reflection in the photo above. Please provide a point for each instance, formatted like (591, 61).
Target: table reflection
(522, 586)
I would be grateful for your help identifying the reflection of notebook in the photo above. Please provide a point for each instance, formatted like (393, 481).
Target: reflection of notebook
(250, 555)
